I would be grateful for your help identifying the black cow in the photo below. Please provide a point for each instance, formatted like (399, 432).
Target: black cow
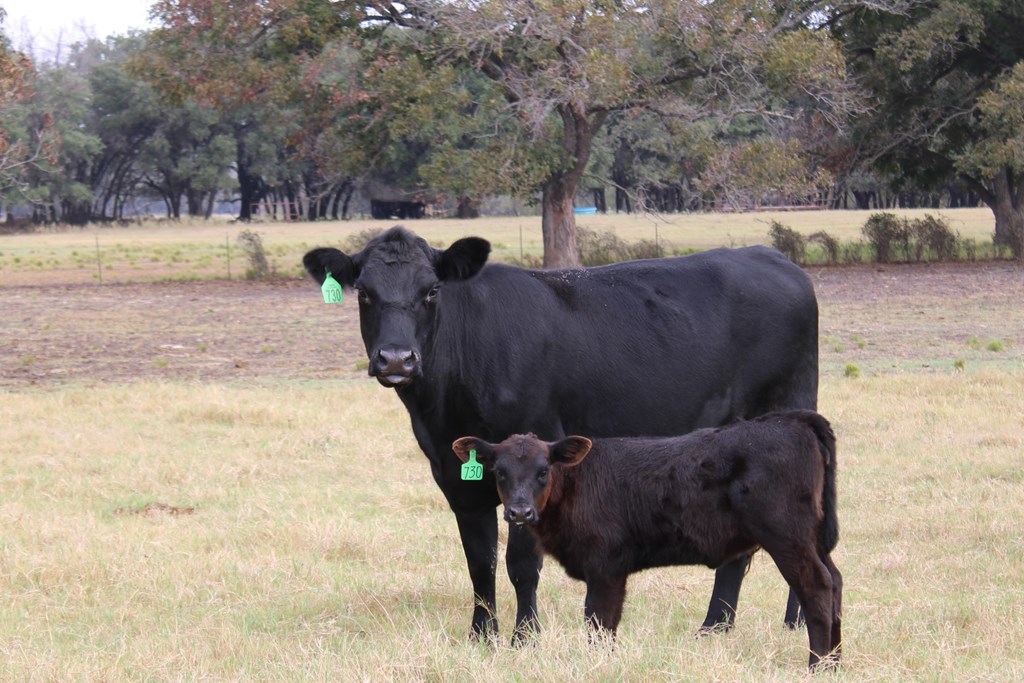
(708, 497)
(653, 347)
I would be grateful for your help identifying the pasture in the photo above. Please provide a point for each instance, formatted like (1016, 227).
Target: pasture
(199, 483)
(168, 251)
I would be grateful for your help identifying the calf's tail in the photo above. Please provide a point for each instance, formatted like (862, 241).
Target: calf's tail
(829, 535)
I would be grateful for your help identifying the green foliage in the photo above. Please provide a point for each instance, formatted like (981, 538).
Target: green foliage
(788, 241)
(741, 174)
(357, 240)
(599, 248)
(828, 243)
(803, 61)
(854, 252)
(948, 82)
(934, 235)
(851, 371)
(929, 237)
(886, 232)
(251, 243)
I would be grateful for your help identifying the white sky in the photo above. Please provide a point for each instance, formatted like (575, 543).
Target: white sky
(40, 26)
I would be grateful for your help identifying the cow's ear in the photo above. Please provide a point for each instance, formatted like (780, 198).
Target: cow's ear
(323, 260)
(484, 450)
(570, 450)
(463, 259)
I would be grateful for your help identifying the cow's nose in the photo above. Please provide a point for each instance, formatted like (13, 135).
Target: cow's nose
(524, 514)
(395, 362)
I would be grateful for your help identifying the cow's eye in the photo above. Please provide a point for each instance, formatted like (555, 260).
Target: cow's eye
(500, 476)
(542, 475)
(432, 294)
(364, 298)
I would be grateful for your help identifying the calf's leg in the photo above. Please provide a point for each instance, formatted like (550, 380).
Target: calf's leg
(808, 576)
(603, 606)
(837, 605)
(523, 562)
(724, 596)
(479, 532)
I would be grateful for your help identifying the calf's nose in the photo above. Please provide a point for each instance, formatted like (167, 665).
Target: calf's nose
(520, 514)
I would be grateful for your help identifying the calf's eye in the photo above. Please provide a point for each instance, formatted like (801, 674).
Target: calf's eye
(542, 475)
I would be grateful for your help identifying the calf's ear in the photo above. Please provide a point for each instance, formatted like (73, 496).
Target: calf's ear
(463, 259)
(484, 450)
(318, 262)
(569, 451)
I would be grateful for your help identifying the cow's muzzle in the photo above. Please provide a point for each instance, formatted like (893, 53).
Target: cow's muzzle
(520, 514)
(394, 367)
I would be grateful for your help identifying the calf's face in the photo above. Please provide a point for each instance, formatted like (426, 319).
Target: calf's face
(523, 469)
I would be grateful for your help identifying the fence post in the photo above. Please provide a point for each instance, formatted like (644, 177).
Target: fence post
(99, 263)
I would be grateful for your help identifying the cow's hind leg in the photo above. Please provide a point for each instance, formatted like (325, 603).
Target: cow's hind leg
(523, 563)
(724, 596)
(479, 532)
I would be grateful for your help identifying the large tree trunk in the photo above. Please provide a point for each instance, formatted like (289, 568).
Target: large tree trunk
(1007, 203)
(558, 224)
(468, 207)
(251, 189)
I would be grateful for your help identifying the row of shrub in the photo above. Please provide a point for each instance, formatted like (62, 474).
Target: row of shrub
(887, 239)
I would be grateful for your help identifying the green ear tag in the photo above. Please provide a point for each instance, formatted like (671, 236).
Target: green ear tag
(333, 293)
(472, 470)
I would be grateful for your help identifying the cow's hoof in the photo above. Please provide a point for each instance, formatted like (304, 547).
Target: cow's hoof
(714, 629)
(524, 638)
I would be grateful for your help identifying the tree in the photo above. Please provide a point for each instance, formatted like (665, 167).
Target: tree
(61, 187)
(124, 114)
(563, 67)
(27, 137)
(245, 58)
(105, 118)
(187, 157)
(949, 90)
(415, 125)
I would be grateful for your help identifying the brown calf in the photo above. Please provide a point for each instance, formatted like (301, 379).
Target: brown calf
(705, 498)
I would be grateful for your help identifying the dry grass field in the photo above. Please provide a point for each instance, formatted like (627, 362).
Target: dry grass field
(198, 483)
(184, 251)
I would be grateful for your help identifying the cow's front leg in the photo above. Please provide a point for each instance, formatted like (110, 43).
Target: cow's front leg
(523, 562)
(603, 606)
(794, 615)
(724, 596)
(479, 533)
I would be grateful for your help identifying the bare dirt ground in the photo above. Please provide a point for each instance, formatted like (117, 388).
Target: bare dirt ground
(881, 318)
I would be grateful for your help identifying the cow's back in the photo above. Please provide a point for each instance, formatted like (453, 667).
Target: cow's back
(652, 347)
